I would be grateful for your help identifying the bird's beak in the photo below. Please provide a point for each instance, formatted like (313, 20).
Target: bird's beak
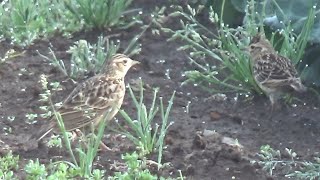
(135, 62)
(245, 49)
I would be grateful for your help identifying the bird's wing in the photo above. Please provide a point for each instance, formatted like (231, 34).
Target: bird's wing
(89, 100)
(273, 70)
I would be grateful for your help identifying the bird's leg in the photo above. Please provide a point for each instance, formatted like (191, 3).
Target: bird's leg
(272, 111)
(79, 134)
(76, 133)
(272, 100)
(74, 136)
(104, 148)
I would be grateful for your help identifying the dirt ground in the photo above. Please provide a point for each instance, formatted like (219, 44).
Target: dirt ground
(198, 156)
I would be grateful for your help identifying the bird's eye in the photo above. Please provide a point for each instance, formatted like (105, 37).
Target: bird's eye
(125, 61)
(251, 47)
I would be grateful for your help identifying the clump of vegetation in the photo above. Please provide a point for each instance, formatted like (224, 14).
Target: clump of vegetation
(144, 133)
(136, 169)
(222, 64)
(35, 170)
(8, 164)
(23, 21)
(99, 13)
(85, 57)
(58, 170)
(45, 97)
(271, 160)
(86, 152)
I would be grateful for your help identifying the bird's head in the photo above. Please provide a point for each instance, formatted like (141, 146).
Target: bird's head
(259, 44)
(120, 64)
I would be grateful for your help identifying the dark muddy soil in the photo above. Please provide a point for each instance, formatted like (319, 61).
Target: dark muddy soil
(200, 155)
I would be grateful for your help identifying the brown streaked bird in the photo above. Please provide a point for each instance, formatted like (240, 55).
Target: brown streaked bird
(98, 96)
(274, 74)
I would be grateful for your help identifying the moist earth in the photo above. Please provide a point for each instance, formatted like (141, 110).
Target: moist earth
(211, 138)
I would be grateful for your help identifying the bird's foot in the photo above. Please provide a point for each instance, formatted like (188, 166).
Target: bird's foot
(104, 148)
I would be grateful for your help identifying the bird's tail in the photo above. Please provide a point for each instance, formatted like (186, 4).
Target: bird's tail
(43, 132)
(298, 86)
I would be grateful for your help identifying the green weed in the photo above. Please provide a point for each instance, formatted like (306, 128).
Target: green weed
(85, 57)
(145, 134)
(98, 13)
(35, 170)
(272, 160)
(8, 164)
(136, 169)
(86, 152)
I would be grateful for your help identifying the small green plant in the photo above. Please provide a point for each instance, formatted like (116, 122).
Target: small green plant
(11, 53)
(35, 170)
(7, 175)
(11, 118)
(85, 57)
(8, 164)
(55, 141)
(136, 169)
(98, 13)
(31, 118)
(62, 170)
(308, 170)
(271, 160)
(145, 134)
(45, 97)
(87, 153)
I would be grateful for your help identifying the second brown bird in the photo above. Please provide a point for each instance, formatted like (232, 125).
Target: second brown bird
(275, 74)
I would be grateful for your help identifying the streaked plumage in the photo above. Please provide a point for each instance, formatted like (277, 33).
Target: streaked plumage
(98, 96)
(275, 74)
